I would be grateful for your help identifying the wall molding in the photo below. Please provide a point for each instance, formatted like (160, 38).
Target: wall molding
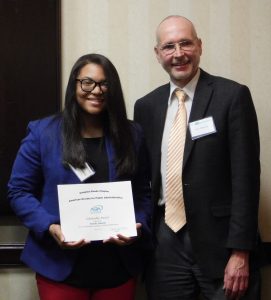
(10, 254)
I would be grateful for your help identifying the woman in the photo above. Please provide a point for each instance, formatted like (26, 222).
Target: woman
(93, 129)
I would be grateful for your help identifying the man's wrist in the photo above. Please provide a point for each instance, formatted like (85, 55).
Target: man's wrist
(243, 253)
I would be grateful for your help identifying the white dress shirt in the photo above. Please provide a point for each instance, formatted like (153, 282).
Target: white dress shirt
(172, 109)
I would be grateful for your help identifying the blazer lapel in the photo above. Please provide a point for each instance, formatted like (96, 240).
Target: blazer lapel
(200, 104)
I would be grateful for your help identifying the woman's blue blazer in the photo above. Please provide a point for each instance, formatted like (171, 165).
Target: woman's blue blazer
(32, 191)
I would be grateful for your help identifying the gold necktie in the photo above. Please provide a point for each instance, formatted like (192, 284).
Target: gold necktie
(174, 213)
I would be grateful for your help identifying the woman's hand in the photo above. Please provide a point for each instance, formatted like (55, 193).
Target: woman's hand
(56, 233)
(122, 240)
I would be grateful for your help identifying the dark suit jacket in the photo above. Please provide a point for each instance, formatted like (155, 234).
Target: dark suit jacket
(37, 171)
(221, 171)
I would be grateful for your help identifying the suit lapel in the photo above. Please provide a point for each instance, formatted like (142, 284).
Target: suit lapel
(160, 111)
(200, 104)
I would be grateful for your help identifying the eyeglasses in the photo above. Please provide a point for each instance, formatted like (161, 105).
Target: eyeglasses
(88, 85)
(186, 45)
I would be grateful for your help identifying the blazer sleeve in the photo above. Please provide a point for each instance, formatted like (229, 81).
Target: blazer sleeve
(26, 184)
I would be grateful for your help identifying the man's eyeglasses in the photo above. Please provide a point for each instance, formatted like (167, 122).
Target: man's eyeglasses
(186, 45)
(88, 85)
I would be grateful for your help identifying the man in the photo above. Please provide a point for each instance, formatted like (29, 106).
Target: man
(210, 248)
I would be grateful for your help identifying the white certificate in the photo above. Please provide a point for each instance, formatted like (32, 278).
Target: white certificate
(96, 211)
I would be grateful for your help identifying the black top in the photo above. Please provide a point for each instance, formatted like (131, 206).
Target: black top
(97, 159)
(98, 265)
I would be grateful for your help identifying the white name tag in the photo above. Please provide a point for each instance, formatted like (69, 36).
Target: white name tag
(202, 127)
(83, 174)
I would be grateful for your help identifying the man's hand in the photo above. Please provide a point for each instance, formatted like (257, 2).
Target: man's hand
(56, 233)
(236, 275)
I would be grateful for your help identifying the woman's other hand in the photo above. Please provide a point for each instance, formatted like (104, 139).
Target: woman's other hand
(122, 240)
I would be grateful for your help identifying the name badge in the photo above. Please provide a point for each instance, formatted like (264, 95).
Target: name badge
(202, 128)
(83, 174)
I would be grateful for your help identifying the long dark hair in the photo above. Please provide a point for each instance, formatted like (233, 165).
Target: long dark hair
(116, 126)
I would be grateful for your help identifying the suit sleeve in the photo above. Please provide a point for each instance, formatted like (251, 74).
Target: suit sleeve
(26, 183)
(142, 192)
(245, 171)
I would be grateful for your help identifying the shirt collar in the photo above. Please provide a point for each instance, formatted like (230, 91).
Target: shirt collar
(189, 89)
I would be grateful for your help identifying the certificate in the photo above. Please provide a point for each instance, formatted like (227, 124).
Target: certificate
(96, 211)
